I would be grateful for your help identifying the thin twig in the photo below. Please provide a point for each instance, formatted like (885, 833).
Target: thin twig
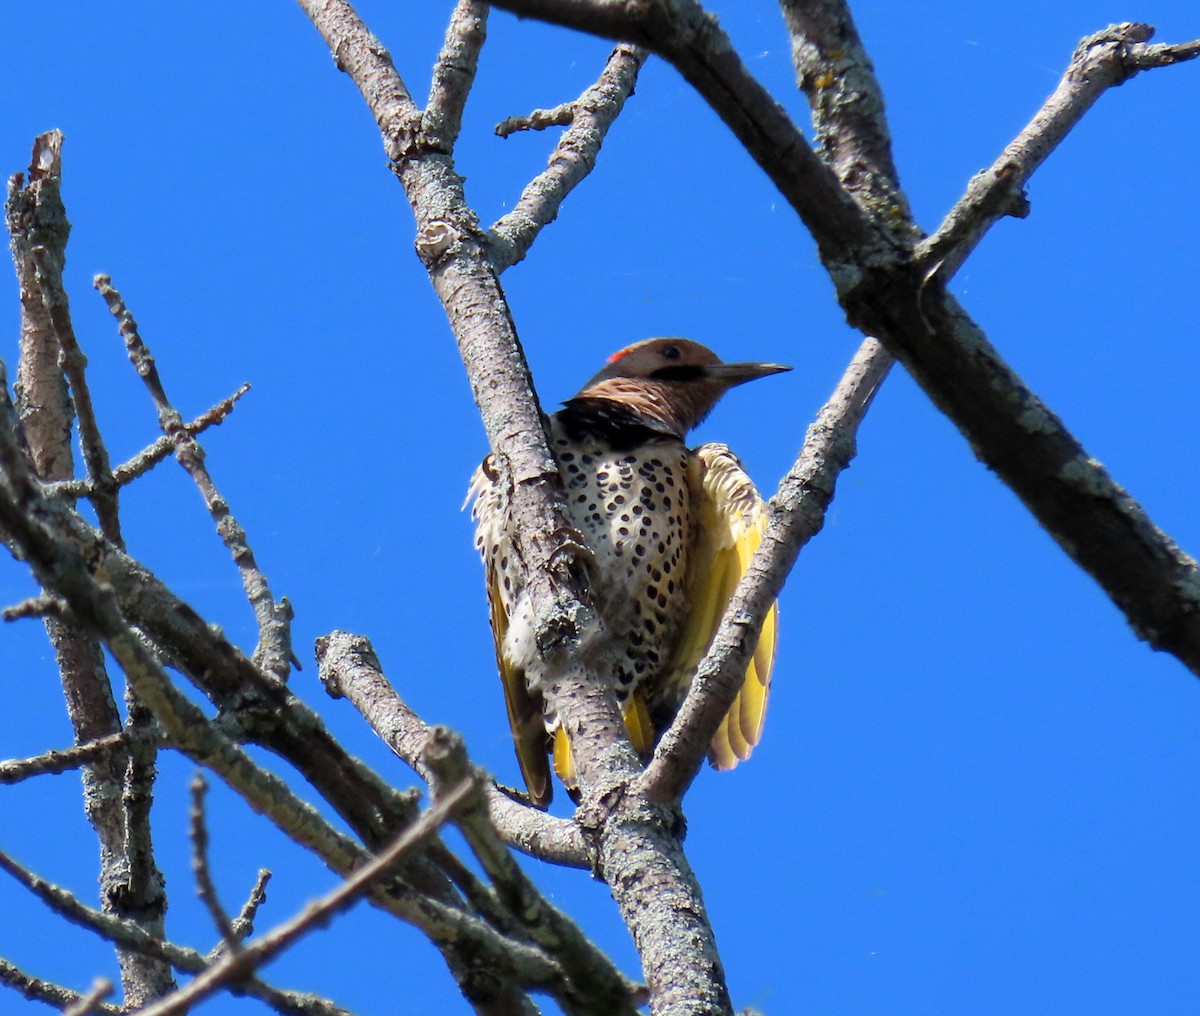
(132, 936)
(35, 989)
(90, 1003)
(237, 965)
(794, 515)
(243, 924)
(43, 605)
(152, 455)
(561, 115)
(205, 889)
(58, 564)
(573, 158)
(60, 761)
(274, 650)
(684, 33)
(104, 490)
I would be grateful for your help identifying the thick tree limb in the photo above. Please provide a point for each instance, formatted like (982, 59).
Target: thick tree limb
(888, 294)
(835, 73)
(637, 845)
(455, 253)
(689, 37)
(595, 986)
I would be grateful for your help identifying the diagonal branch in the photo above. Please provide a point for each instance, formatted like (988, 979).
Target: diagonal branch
(638, 846)
(685, 34)
(133, 937)
(888, 294)
(1100, 62)
(40, 990)
(238, 964)
(151, 456)
(597, 986)
(573, 158)
(455, 252)
(274, 651)
(795, 515)
(348, 666)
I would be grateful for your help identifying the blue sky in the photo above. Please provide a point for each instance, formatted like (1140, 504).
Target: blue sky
(977, 790)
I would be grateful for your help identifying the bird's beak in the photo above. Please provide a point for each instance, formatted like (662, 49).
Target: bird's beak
(739, 373)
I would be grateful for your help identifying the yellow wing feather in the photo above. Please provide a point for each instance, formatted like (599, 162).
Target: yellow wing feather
(730, 521)
(524, 711)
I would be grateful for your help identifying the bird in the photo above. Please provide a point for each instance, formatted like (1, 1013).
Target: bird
(670, 531)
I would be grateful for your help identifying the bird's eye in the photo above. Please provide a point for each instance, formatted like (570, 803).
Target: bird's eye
(670, 352)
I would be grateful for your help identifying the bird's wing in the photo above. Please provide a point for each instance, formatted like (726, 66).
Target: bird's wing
(729, 520)
(524, 709)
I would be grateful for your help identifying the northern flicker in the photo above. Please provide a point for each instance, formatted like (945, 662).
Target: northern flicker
(671, 531)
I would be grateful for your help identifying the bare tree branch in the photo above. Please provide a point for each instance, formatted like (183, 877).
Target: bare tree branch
(42, 605)
(36, 219)
(205, 889)
(597, 986)
(539, 120)
(238, 964)
(103, 488)
(454, 74)
(887, 293)
(131, 884)
(90, 1002)
(1100, 62)
(573, 158)
(456, 255)
(835, 73)
(37, 990)
(133, 937)
(149, 457)
(638, 846)
(348, 667)
(243, 924)
(794, 516)
(55, 761)
(684, 33)
(274, 651)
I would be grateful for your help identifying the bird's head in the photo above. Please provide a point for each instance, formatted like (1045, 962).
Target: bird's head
(673, 382)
